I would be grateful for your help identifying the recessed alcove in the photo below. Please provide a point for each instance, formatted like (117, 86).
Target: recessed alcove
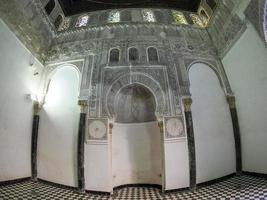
(128, 102)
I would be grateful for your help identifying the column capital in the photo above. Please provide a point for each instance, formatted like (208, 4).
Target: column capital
(187, 104)
(231, 101)
(83, 105)
(160, 125)
(110, 125)
(37, 107)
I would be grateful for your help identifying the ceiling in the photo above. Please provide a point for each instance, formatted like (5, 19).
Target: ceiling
(72, 7)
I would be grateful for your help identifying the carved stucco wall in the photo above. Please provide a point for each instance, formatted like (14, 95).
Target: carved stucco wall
(226, 26)
(178, 48)
(255, 13)
(26, 20)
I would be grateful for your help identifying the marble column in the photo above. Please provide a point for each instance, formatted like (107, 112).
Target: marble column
(161, 129)
(191, 141)
(35, 128)
(81, 140)
(232, 106)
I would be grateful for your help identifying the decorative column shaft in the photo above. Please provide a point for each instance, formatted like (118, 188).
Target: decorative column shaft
(232, 106)
(161, 129)
(191, 141)
(81, 140)
(35, 128)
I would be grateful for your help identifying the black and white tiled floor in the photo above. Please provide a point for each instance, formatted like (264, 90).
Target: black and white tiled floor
(236, 188)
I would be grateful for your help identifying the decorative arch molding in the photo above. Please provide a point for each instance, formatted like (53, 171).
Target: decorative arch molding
(210, 66)
(50, 70)
(135, 78)
(218, 69)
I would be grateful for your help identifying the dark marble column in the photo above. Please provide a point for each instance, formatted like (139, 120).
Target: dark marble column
(232, 106)
(161, 129)
(81, 140)
(35, 127)
(191, 141)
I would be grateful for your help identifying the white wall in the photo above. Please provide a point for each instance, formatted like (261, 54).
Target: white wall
(16, 80)
(136, 154)
(176, 164)
(246, 68)
(97, 167)
(214, 139)
(59, 121)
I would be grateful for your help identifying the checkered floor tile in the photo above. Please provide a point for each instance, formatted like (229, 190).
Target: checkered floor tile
(236, 188)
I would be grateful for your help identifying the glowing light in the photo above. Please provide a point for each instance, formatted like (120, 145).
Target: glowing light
(148, 16)
(82, 21)
(114, 17)
(179, 17)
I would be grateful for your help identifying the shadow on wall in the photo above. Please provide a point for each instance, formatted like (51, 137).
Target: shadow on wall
(59, 120)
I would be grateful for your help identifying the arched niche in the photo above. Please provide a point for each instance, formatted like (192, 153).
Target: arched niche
(213, 131)
(136, 138)
(59, 119)
(135, 104)
(114, 55)
(214, 67)
(135, 78)
(152, 55)
(51, 70)
(133, 54)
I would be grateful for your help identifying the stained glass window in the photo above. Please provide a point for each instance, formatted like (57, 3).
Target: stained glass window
(179, 17)
(82, 21)
(114, 56)
(65, 25)
(114, 17)
(196, 20)
(148, 16)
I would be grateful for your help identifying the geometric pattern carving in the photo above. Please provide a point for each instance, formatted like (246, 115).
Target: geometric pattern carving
(174, 127)
(129, 79)
(97, 129)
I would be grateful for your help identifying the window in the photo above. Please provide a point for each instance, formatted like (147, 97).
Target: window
(152, 54)
(133, 54)
(196, 20)
(65, 25)
(58, 21)
(50, 6)
(204, 17)
(179, 17)
(82, 21)
(114, 56)
(148, 16)
(114, 17)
